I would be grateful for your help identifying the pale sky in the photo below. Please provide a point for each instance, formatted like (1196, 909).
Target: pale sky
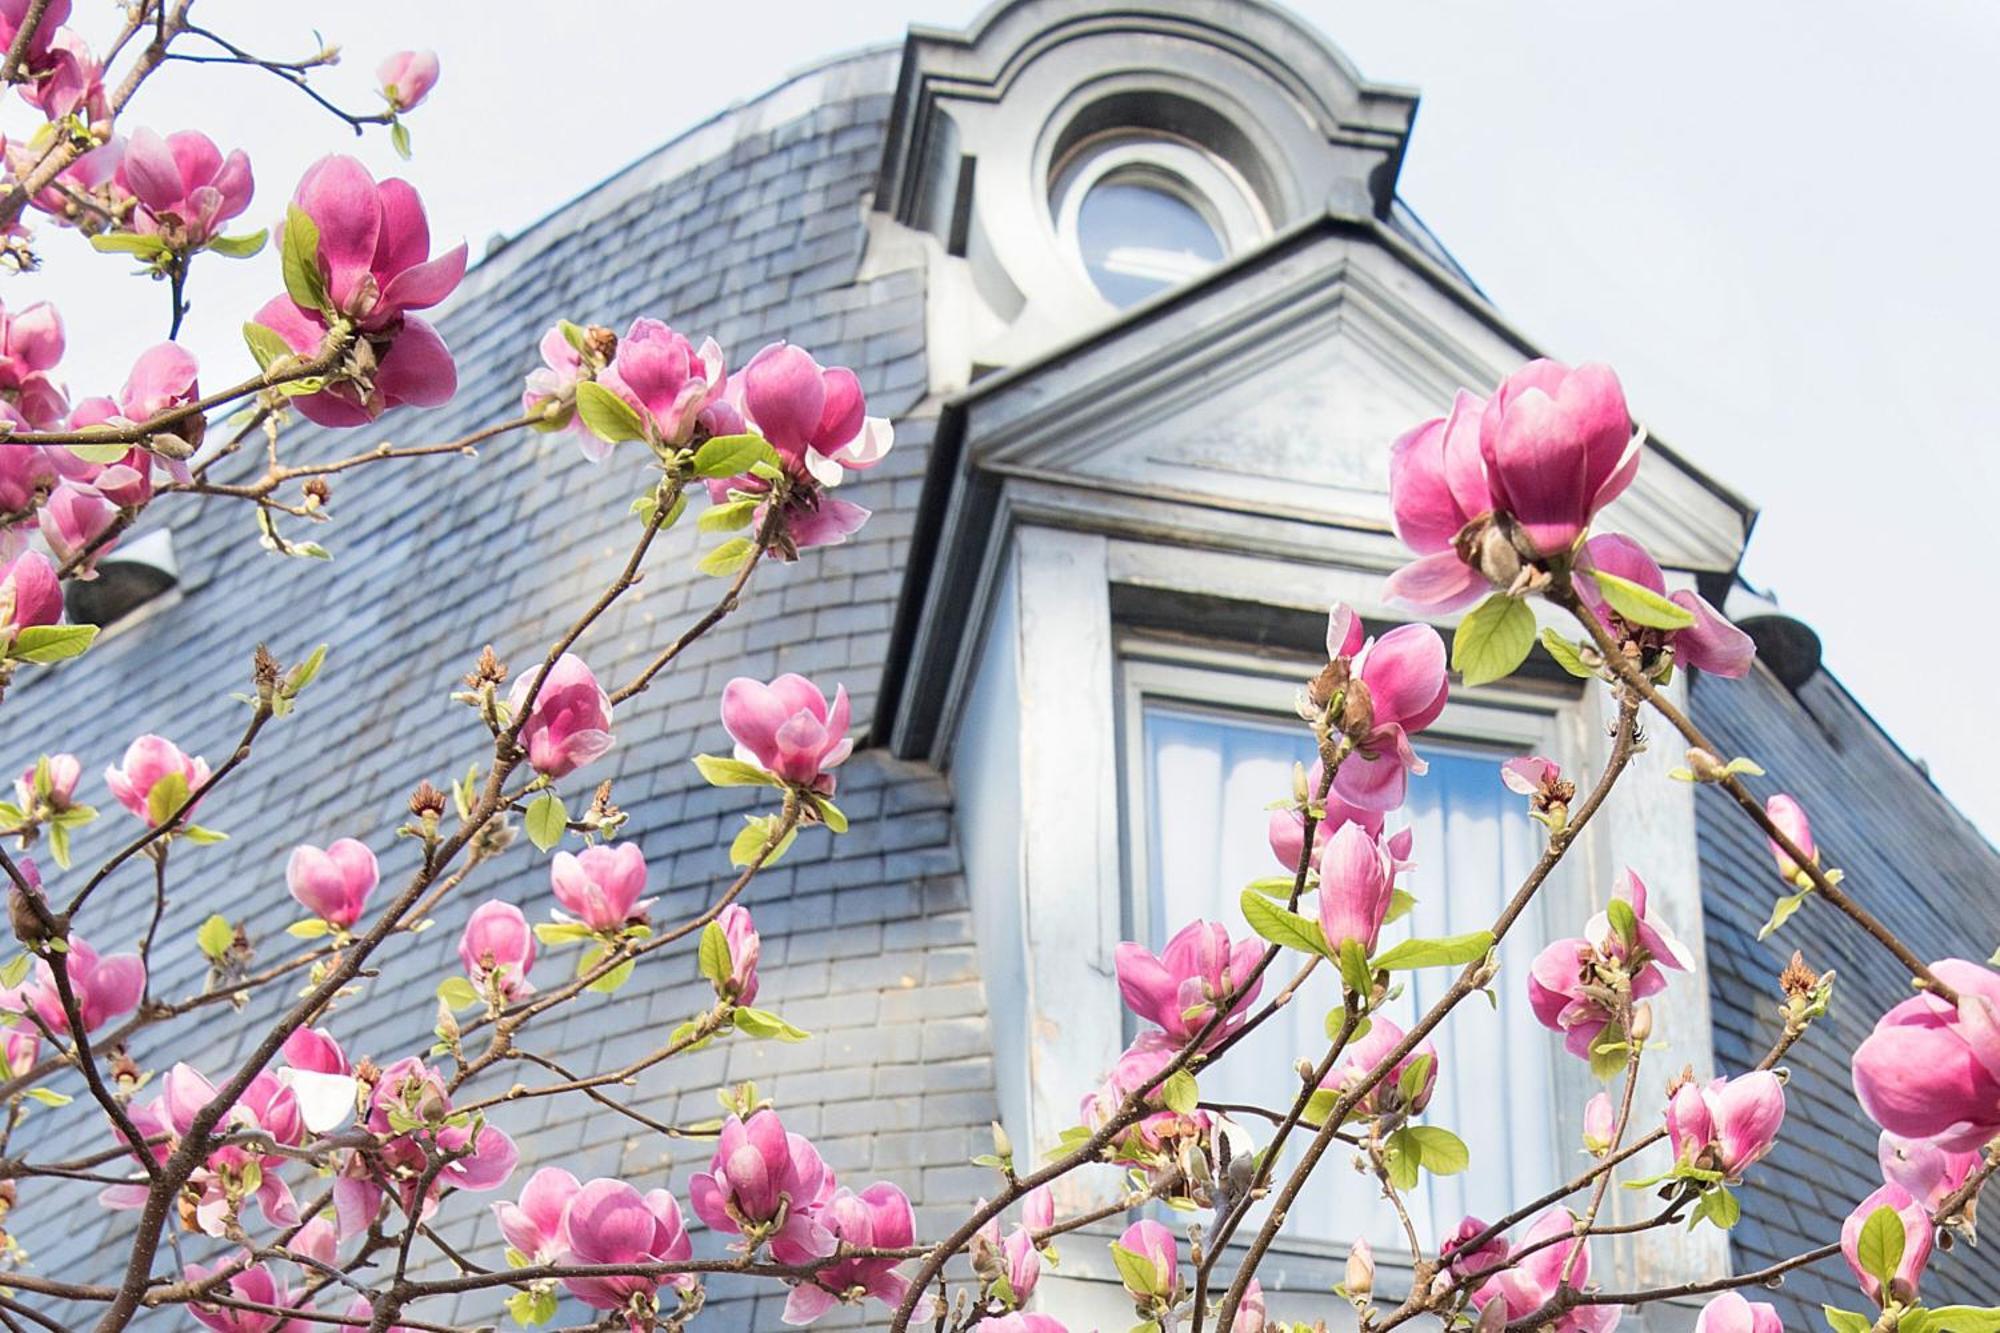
(1775, 219)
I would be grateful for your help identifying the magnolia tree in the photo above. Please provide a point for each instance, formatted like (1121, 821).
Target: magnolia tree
(298, 1185)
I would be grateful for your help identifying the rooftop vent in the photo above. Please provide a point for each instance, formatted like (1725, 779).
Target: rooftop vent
(1787, 646)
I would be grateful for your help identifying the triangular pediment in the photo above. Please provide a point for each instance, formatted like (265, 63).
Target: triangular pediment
(1277, 389)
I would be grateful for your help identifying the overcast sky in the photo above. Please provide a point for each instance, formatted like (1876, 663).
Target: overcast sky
(1775, 219)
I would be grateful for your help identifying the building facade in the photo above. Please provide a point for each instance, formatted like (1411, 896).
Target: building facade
(1139, 293)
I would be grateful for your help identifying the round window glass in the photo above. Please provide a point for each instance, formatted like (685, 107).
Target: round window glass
(1139, 235)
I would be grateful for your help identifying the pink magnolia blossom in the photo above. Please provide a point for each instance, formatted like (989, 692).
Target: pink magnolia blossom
(745, 949)
(1529, 774)
(1286, 830)
(1732, 1313)
(1600, 1125)
(1038, 1209)
(72, 520)
(878, 1217)
(1178, 990)
(31, 342)
(554, 383)
(30, 595)
(1917, 1241)
(1251, 1316)
(537, 1225)
(105, 987)
(1470, 1263)
(609, 1222)
(1021, 1322)
(318, 1240)
(1155, 1245)
(321, 1080)
(1023, 1263)
(21, 1048)
(1710, 644)
(1437, 486)
(600, 886)
(164, 377)
(374, 247)
(1790, 817)
(85, 193)
(570, 723)
(406, 79)
(498, 948)
(14, 15)
(315, 1049)
(27, 474)
(1357, 881)
(1403, 675)
(64, 772)
(333, 884)
(147, 760)
(481, 1160)
(255, 1285)
(185, 187)
(1558, 447)
(1927, 1171)
(1562, 981)
(788, 729)
(1728, 1125)
(761, 1175)
(1530, 1283)
(267, 1106)
(1360, 1059)
(811, 415)
(69, 80)
(667, 380)
(1931, 1070)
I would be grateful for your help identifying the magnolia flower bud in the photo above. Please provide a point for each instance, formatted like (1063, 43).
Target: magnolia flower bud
(1360, 1278)
(1003, 1147)
(1642, 1022)
(1357, 712)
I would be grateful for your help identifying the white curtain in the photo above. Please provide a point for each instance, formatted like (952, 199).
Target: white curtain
(1210, 782)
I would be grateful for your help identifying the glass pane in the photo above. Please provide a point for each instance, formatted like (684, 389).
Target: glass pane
(1210, 780)
(1139, 238)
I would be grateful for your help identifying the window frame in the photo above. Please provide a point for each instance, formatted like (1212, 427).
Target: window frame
(1523, 717)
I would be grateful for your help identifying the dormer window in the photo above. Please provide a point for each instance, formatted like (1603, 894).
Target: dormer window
(1142, 215)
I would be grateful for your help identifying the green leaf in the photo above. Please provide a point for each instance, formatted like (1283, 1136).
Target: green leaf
(558, 933)
(299, 257)
(241, 247)
(200, 836)
(1717, 1205)
(15, 970)
(730, 455)
(546, 821)
(1846, 1321)
(458, 993)
(611, 980)
(129, 243)
(1960, 1319)
(1781, 910)
(729, 557)
(1410, 1083)
(1319, 1106)
(215, 937)
(1403, 1154)
(535, 1306)
(59, 844)
(1639, 605)
(304, 674)
(1273, 886)
(98, 453)
(1179, 1093)
(51, 643)
(1136, 1271)
(1354, 973)
(399, 139)
(1880, 1248)
(764, 1023)
(1447, 951)
(755, 833)
(722, 771)
(166, 798)
(47, 1097)
(1493, 640)
(830, 814)
(265, 345)
(1400, 904)
(609, 417)
(713, 954)
(729, 516)
(1565, 653)
(1624, 921)
(574, 335)
(1608, 1053)
(1286, 929)
(1444, 1153)
(308, 930)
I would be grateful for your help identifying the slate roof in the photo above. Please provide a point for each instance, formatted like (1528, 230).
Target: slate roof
(1910, 856)
(752, 229)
